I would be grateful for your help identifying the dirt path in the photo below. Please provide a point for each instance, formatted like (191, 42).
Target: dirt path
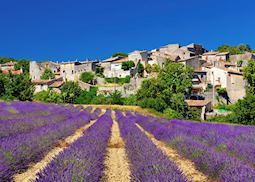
(186, 166)
(30, 174)
(117, 167)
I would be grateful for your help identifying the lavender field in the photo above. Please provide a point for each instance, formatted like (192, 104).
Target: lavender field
(49, 142)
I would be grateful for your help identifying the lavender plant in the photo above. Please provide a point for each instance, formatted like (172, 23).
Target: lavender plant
(84, 159)
(196, 142)
(147, 162)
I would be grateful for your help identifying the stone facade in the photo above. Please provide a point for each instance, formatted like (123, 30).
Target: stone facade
(71, 71)
(37, 69)
(139, 56)
(235, 86)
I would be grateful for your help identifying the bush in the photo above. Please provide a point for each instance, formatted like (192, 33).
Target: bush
(115, 98)
(120, 54)
(47, 75)
(131, 100)
(87, 77)
(118, 80)
(100, 72)
(148, 68)
(140, 70)
(172, 114)
(155, 103)
(70, 91)
(244, 111)
(86, 97)
(127, 65)
(48, 96)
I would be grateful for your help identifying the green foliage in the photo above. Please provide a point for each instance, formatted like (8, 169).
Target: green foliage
(221, 91)
(249, 75)
(253, 51)
(115, 98)
(168, 90)
(239, 63)
(127, 65)
(155, 68)
(148, 68)
(130, 100)
(48, 96)
(244, 112)
(122, 54)
(47, 74)
(171, 114)
(22, 64)
(6, 60)
(16, 87)
(87, 77)
(70, 91)
(140, 69)
(86, 97)
(100, 71)
(118, 80)
(239, 49)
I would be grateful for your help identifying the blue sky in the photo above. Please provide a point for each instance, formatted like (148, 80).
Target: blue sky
(78, 29)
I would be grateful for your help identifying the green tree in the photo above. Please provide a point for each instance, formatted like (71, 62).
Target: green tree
(140, 69)
(148, 68)
(87, 77)
(122, 54)
(127, 65)
(115, 98)
(17, 86)
(22, 64)
(86, 97)
(167, 90)
(48, 96)
(47, 74)
(239, 49)
(70, 91)
(244, 112)
(249, 75)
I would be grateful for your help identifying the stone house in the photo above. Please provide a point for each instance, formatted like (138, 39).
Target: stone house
(216, 56)
(232, 80)
(235, 86)
(71, 71)
(37, 69)
(183, 52)
(139, 56)
(10, 67)
(7, 66)
(112, 67)
(44, 85)
(194, 62)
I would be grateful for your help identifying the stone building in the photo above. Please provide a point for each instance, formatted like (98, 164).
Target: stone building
(112, 67)
(37, 69)
(71, 71)
(44, 85)
(139, 56)
(216, 56)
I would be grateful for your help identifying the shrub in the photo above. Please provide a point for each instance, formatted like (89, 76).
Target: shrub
(47, 74)
(87, 77)
(118, 80)
(127, 65)
(171, 114)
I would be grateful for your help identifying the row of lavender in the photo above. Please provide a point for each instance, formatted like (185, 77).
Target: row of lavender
(18, 150)
(84, 159)
(147, 162)
(223, 152)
